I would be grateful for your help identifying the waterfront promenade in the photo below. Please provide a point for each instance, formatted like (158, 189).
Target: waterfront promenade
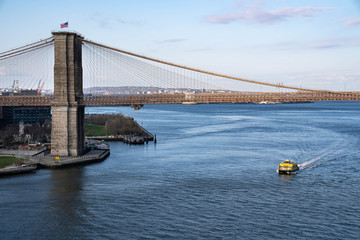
(44, 160)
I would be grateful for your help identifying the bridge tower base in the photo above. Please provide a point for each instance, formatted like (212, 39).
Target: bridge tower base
(67, 133)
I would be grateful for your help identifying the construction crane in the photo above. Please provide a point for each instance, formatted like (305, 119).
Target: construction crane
(15, 87)
(40, 87)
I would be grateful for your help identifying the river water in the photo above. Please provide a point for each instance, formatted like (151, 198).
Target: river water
(211, 175)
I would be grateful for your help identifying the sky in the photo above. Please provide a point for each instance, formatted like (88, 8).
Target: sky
(308, 43)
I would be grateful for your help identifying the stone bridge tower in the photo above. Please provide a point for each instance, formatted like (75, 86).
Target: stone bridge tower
(67, 133)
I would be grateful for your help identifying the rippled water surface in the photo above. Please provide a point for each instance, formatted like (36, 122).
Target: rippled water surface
(211, 175)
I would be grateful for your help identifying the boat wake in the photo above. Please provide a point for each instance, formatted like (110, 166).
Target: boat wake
(331, 150)
(311, 162)
(332, 153)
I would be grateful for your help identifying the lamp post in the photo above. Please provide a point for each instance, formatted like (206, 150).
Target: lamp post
(28, 136)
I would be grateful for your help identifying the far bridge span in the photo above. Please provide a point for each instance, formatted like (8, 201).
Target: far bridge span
(246, 97)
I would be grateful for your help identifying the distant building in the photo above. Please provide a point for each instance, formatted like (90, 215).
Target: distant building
(21, 93)
(13, 115)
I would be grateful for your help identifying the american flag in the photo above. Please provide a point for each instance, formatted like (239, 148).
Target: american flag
(64, 25)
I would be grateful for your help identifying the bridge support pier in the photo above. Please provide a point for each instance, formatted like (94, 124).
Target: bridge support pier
(67, 133)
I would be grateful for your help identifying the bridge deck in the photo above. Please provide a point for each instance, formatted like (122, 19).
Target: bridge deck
(245, 97)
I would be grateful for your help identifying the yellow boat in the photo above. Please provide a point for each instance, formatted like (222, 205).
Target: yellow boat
(288, 167)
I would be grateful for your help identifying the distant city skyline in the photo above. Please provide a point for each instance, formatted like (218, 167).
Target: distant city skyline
(313, 44)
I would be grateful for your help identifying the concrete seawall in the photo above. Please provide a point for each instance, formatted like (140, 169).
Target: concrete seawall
(47, 161)
(10, 170)
(58, 162)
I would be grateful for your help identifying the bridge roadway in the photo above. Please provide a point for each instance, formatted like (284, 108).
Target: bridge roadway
(244, 97)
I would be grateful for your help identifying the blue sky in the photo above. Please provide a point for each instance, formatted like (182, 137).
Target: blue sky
(304, 43)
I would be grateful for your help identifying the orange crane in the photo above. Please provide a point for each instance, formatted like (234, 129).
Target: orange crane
(40, 87)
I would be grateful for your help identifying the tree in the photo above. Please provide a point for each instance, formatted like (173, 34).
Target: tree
(115, 124)
(8, 134)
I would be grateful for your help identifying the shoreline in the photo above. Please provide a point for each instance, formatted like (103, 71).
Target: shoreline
(34, 162)
(129, 139)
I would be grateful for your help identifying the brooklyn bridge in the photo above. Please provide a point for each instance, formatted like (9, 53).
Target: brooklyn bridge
(73, 70)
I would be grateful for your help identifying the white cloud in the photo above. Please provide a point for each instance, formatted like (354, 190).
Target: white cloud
(122, 21)
(335, 43)
(350, 22)
(172, 40)
(257, 15)
(322, 44)
(107, 22)
(325, 44)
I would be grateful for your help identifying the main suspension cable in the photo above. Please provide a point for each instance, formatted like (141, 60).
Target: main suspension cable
(26, 50)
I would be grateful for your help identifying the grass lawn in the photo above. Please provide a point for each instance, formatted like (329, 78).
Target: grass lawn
(94, 130)
(6, 161)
